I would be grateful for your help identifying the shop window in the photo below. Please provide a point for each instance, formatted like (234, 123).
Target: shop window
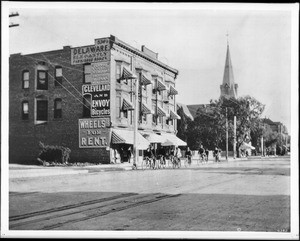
(87, 106)
(42, 79)
(87, 73)
(41, 110)
(57, 108)
(58, 76)
(25, 110)
(25, 79)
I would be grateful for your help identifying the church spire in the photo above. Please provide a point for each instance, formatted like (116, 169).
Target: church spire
(228, 87)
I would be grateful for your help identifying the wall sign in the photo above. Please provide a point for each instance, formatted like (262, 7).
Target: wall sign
(91, 54)
(100, 99)
(100, 72)
(94, 133)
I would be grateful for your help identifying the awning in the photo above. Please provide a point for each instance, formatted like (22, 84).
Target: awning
(173, 91)
(145, 80)
(247, 146)
(171, 138)
(161, 112)
(127, 105)
(160, 85)
(146, 110)
(127, 74)
(152, 137)
(120, 136)
(173, 115)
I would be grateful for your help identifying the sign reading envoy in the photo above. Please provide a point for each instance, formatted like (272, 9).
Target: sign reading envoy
(94, 133)
(91, 54)
(100, 98)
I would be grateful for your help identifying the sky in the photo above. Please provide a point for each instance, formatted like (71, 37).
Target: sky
(191, 38)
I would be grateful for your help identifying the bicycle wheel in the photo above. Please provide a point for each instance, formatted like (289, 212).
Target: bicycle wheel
(145, 164)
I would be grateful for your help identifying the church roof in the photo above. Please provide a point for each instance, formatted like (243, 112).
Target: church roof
(228, 78)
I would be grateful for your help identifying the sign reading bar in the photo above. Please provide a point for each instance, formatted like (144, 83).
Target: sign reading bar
(94, 133)
(100, 101)
(91, 54)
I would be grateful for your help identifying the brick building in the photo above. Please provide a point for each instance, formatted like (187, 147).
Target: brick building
(83, 98)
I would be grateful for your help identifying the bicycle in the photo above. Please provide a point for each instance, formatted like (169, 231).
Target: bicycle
(176, 162)
(161, 162)
(188, 161)
(147, 163)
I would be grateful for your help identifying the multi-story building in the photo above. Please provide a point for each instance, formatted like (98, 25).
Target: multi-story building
(83, 98)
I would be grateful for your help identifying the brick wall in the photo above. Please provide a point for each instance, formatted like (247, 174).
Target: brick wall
(24, 135)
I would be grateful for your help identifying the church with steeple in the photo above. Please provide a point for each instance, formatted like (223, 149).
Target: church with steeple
(228, 87)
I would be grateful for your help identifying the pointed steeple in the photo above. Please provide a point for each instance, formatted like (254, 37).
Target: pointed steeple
(228, 88)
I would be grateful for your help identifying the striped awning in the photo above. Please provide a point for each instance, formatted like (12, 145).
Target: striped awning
(174, 115)
(161, 112)
(172, 140)
(145, 80)
(172, 91)
(145, 109)
(161, 85)
(127, 105)
(120, 136)
(127, 74)
(153, 137)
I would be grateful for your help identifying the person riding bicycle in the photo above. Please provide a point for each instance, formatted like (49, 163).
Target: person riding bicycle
(217, 154)
(201, 153)
(177, 154)
(188, 155)
(149, 153)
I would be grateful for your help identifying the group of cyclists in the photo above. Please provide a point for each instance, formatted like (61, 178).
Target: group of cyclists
(157, 158)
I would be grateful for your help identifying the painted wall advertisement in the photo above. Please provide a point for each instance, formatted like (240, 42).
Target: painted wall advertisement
(100, 72)
(90, 54)
(100, 98)
(94, 132)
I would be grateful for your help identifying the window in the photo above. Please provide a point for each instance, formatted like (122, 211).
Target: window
(42, 80)
(118, 71)
(125, 113)
(25, 79)
(118, 107)
(87, 99)
(87, 70)
(58, 76)
(41, 110)
(25, 110)
(57, 108)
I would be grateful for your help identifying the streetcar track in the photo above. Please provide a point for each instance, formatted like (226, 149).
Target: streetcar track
(111, 210)
(63, 208)
(115, 206)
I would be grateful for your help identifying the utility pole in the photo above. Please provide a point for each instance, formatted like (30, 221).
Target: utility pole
(136, 118)
(234, 137)
(226, 136)
(13, 15)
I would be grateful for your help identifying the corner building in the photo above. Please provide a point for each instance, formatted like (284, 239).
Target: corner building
(83, 98)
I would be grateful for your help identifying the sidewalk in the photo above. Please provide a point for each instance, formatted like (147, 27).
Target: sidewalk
(25, 171)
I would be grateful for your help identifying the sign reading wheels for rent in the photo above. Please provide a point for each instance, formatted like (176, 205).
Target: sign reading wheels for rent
(94, 133)
(91, 54)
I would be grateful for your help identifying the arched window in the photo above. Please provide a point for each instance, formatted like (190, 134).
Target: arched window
(58, 108)
(25, 79)
(58, 76)
(25, 110)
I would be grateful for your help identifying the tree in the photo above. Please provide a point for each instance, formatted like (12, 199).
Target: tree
(209, 125)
